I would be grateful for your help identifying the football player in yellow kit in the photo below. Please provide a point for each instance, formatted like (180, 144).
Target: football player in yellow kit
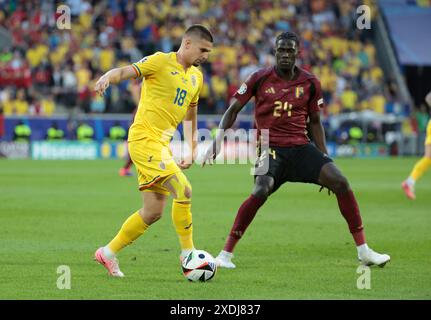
(169, 95)
(422, 165)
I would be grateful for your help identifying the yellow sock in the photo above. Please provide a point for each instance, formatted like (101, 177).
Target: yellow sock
(131, 230)
(182, 220)
(420, 168)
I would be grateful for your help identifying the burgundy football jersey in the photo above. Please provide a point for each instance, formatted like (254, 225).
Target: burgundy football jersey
(282, 106)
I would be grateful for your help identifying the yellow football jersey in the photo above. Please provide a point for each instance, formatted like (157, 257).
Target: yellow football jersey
(167, 94)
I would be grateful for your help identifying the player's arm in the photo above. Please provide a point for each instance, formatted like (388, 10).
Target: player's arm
(147, 66)
(314, 106)
(114, 76)
(318, 132)
(239, 100)
(189, 131)
(227, 121)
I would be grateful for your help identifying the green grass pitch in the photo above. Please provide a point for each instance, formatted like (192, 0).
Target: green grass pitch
(56, 213)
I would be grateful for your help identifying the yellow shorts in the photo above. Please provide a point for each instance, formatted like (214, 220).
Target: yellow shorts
(154, 163)
(428, 138)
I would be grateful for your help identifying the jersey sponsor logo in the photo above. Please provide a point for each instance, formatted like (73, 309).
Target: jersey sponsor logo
(193, 80)
(270, 90)
(242, 89)
(174, 73)
(299, 92)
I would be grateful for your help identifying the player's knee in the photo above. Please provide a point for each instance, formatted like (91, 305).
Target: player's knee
(150, 217)
(341, 185)
(154, 217)
(184, 194)
(263, 189)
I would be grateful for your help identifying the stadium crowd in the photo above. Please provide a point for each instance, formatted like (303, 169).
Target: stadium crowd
(47, 68)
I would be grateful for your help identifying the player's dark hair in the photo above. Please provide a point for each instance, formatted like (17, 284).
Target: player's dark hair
(200, 31)
(288, 36)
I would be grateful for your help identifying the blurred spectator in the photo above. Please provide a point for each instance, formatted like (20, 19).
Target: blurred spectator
(378, 102)
(48, 105)
(54, 133)
(422, 118)
(348, 99)
(355, 135)
(22, 132)
(84, 132)
(219, 85)
(20, 103)
(117, 132)
(6, 100)
(97, 103)
(69, 84)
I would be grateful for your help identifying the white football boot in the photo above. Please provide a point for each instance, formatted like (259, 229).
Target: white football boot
(223, 260)
(371, 258)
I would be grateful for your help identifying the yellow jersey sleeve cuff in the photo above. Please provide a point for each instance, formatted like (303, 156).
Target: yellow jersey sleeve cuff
(138, 72)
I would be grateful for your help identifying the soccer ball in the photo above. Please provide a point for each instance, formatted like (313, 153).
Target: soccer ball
(199, 265)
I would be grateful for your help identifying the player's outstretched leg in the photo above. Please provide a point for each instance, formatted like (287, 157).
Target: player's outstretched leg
(332, 178)
(418, 171)
(246, 213)
(181, 191)
(131, 230)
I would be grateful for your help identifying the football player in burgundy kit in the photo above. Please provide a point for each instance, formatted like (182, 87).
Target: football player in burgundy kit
(286, 96)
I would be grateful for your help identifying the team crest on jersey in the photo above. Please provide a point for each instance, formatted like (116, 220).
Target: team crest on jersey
(193, 80)
(299, 92)
(242, 89)
(184, 80)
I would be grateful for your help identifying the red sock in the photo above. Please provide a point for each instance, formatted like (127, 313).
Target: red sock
(350, 211)
(244, 217)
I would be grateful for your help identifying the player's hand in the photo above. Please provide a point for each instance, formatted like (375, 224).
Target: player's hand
(322, 187)
(101, 85)
(184, 164)
(210, 154)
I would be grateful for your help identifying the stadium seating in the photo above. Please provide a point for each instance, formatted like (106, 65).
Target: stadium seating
(64, 64)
